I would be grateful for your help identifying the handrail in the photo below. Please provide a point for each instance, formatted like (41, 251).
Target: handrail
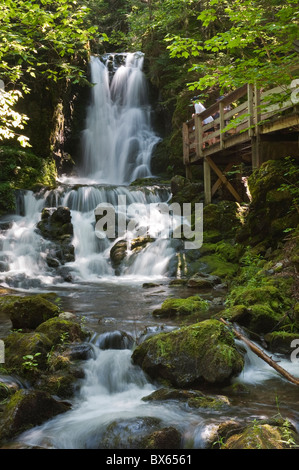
(242, 121)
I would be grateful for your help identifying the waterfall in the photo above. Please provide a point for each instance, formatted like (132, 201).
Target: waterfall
(117, 145)
(118, 141)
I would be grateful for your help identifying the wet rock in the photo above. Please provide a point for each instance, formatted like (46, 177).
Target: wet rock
(26, 409)
(118, 253)
(203, 281)
(55, 225)
(194, 398)
(166, 438)
(264, 436)
(129, 433)
(204, 353)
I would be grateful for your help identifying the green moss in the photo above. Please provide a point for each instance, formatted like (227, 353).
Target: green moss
(18, 345)
(217, 266)
(204, 351)
(21, 169)
(181, 307)
(29, 311)
(58, 330)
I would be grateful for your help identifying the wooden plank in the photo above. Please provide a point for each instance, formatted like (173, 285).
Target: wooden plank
(281, 123)
(223, 179)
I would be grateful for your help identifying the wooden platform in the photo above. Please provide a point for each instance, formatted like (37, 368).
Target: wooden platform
(248, 121)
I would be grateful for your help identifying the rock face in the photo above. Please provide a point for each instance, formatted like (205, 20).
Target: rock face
(203, 353)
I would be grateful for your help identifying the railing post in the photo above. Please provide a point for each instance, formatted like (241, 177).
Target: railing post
(207, 181)
(255, 145)
(198, 134)
(222, 124)
(250, 109)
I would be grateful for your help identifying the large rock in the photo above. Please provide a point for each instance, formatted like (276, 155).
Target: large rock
(28, 312)
(55, 225)
(181, 307)
(28, 408)
(204, 353)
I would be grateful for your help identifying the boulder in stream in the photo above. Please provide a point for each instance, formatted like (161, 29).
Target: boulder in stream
(203, 353)
(28, 408)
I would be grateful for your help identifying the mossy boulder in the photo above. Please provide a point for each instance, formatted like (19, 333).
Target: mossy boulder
(129, 433)
(260, 308)
(204, 353)
(18, 346)
(223, 218)
(281, 341)
(28, 312)
(59, 330)
(26, 409)
(181, 307)
(166, 438)
(273, 188)
(264, 436)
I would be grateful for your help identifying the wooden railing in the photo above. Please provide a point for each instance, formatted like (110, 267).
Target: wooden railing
(242, 114)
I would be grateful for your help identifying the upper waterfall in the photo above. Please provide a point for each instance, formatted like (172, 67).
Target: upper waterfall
(118, 139)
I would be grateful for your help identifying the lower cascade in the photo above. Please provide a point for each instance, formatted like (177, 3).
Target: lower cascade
(55, 243)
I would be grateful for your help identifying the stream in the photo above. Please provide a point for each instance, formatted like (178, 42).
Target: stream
(108, 409)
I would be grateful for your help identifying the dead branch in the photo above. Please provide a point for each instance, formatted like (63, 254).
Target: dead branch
(262, 355)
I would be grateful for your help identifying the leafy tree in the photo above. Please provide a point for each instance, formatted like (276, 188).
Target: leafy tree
(252, 42)
(39, 40)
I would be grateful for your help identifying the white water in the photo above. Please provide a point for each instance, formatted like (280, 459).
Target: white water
(118, 140)
(117, 144)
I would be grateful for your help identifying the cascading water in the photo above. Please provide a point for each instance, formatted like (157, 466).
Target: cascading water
(118, 140)
(117, 146)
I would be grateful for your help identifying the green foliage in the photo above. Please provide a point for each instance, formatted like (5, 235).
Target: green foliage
(43, 40)
(30, 362)
(250, 42)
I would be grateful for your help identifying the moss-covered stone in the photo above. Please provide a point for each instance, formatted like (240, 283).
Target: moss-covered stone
(264, 436)
(281, 341)
(28, 312)
(181, 307)
(273, 188)
(26, 409)
(59, 330)
(202, 353)
(19, 346)
(166, 438)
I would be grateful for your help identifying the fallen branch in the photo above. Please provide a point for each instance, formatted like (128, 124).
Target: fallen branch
(262, 355)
